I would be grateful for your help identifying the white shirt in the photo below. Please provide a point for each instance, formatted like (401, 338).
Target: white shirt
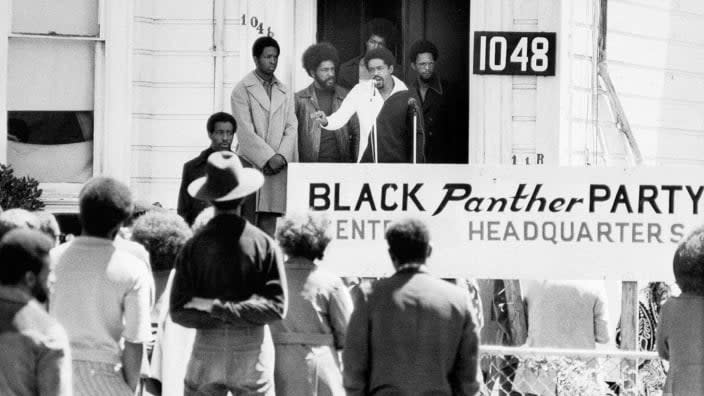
(365, 100)
(101, 295)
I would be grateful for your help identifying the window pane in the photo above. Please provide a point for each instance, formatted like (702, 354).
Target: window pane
(50, 75)
(49, 127)
(51, 146)
(75, 17)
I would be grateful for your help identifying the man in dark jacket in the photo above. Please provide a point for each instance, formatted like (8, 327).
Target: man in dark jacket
(444, 109)
(221, 131)
(413, 333)
(341, 145)
(229, 284)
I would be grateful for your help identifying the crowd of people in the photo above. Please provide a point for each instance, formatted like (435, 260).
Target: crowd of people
(145, 302)
(226, 296)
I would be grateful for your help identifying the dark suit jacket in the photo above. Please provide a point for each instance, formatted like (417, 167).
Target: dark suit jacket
(412, 334)
(189, 207)
(394, 126)
(445, 116)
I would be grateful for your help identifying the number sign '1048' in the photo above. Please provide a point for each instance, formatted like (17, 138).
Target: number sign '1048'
(514, 53)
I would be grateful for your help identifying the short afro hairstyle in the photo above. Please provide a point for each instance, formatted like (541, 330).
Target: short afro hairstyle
(408, 240)
(22, 250)
(263, 42)
(383, 28)
(220, 117)
(163, 234)
(104, 203)
(317, 54)
(380, 53)
(18, 218)
(304, 236)
(688, 263)
(421, 47)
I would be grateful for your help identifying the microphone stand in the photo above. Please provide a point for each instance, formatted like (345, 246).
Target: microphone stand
(375, 143)
(415, 132)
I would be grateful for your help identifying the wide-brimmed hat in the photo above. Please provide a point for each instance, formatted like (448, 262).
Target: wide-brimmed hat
(225, 179)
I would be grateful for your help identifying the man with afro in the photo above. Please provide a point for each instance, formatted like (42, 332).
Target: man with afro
(320, 61)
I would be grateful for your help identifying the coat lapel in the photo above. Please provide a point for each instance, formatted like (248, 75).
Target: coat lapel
(278, 97)
(256, 89)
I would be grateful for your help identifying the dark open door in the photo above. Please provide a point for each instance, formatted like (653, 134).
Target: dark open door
(443, 22)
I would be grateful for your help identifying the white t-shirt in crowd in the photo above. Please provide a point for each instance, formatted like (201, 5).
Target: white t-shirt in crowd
(102, 294)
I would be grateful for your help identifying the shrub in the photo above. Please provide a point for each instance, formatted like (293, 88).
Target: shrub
(18, 192)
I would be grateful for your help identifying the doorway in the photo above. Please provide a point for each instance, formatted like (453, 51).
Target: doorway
(443, 22)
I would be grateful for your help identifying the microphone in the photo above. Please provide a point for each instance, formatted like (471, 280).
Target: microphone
(413, 103)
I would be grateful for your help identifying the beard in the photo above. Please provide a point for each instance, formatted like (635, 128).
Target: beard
(328, 84)
(378, 82)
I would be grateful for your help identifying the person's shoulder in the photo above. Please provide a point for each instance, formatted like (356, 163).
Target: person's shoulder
(255, 235)
(134, 248)
(197, 160)
(249, 79)
(128, 262)
(326, 279)
(38, 325)
(58, 251)
(304, 93)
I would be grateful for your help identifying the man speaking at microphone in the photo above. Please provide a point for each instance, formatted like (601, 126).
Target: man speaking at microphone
(388, 114)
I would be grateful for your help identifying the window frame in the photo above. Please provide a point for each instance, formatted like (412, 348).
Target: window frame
(112, 89)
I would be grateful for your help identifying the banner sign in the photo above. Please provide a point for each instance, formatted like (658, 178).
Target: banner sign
(506, 222)
(515, 53)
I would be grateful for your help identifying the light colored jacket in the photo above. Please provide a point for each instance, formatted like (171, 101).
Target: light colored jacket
(35, 357)
(314, 329)
(680, 339)
(566, 314)
(266, 127)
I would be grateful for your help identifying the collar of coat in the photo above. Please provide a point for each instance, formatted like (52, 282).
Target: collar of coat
(251, 80)
(254, 86)
(309, 92)
(435, 84)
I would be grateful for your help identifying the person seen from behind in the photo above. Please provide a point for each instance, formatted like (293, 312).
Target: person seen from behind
(413, 333)
(680, 335)
(102, 295)
(308, 339)
(35, 357)
(229, 284)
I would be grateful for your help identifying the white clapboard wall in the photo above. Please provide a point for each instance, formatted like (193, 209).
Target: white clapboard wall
(514, 118)
(172, 92)
(176, 84)
(655, 52)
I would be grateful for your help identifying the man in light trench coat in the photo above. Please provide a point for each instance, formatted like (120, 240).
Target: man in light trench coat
(264, 109)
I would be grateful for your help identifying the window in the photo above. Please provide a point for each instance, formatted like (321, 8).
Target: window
(54, 51)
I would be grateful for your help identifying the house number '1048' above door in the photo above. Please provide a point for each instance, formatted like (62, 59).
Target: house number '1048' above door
(514, 53)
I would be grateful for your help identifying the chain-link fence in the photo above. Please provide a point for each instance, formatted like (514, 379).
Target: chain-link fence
(512, 371)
